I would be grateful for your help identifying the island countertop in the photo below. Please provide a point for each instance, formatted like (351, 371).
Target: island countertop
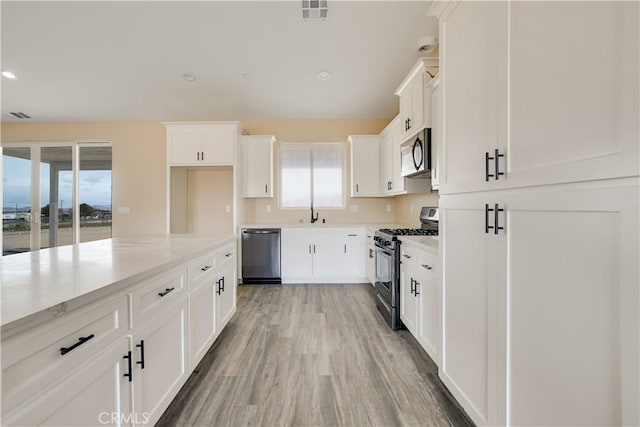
(41, 284)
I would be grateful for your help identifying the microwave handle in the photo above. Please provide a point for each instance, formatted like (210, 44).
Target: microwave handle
(417, 144)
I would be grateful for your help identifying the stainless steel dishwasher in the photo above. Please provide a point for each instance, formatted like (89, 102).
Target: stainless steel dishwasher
(261, 256)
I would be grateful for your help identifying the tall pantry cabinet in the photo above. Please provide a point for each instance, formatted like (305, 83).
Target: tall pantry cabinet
(539, 211)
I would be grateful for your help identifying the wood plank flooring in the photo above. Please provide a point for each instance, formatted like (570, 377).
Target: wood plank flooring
(313, 355)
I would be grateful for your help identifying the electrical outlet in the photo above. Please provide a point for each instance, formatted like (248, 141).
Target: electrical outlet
(268, 208)
(227, 209)
(388, 208)
(354, 208)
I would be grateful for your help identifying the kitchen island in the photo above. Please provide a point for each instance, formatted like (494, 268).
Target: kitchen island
(106, 332)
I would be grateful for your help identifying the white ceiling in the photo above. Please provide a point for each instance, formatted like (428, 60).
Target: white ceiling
(81, 61)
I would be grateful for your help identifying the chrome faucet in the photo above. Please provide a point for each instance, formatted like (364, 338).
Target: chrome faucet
(313, 218)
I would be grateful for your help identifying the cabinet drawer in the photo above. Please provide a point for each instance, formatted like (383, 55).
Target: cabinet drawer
(157, 293)
(33, 360)
(226, 253)
(428, 265)
(408, 256)
(202, 267)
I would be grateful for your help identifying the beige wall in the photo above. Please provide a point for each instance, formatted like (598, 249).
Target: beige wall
(210, 191)
(139, 165)
(369, 209)
(408, 207)
(139, 169)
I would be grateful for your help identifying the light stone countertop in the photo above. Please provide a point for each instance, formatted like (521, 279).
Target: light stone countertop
(40, 285)
(370, 226)
(429, 244)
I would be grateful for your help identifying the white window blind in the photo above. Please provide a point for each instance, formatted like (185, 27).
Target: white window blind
(311, 172)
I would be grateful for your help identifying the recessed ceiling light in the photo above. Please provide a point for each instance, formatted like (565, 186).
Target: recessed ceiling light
(189, 77)
(324, 75)
(9, 75)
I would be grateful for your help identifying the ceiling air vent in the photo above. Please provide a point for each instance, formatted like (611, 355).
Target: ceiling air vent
(20, 115)
(314, 10)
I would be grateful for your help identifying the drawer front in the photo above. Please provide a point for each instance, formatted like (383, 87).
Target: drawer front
(227, 253)
(201, 267)
(34, 360)
(408, 256)
(157, 293)
(428, 265)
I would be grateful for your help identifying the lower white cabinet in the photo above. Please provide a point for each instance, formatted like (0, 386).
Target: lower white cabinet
(409, 297)
(95, 394)
(159, 361)
(226, 287)
(371, 263)
(202, 319)
(323, 255)
(540, 320)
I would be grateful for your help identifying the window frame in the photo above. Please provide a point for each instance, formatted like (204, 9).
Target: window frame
(310, 145)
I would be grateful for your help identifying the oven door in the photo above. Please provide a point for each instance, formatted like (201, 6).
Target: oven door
(385, 275)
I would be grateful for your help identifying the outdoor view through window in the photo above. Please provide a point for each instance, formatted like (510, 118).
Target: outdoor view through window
(48, 190)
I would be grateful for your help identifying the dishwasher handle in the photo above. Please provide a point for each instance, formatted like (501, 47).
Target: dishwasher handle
(261, 231)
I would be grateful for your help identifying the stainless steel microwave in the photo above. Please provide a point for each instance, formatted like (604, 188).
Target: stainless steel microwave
(416, 155)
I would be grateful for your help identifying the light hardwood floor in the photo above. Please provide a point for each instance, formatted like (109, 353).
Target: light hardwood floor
(313, 355)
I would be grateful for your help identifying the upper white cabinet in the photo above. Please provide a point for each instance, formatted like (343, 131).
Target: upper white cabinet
(414, 106)
(365, 165)
(257, 165)
(392, 181)
(204, 143)
(528, 104)
(436, 130)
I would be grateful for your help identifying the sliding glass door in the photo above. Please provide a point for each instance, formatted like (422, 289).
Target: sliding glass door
(55, 194)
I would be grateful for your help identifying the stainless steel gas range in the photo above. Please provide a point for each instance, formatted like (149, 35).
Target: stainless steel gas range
(388, 263)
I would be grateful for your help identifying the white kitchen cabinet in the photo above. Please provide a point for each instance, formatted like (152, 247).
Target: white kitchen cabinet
(201, 144)
(160, 360)
(92, 394)
(365, 165)
(428, 285)
(202, 318)
(226, 292)
(508, 123)
(414, 103)
(257, 165)
(371, 264)
(409, 295)
(323, 255)
(392, 181)
(539, 312)
(436, 130)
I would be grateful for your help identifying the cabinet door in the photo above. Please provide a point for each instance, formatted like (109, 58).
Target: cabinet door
(571, 285)
(355, 265)
(329, 256)
(567, 124)
(408, 301)
(371, 264)
(386, 163)
(218, 144)
(398, 184)
(185, 144)
(429, 335)
(468, 36)
(469, 349)
(406, 106)
(365, 165)
(94, 394)
(436, 132)
(257, 166)
(226, 293)
(160, 360)
(202, 319)
(417, 104)
(296, 256)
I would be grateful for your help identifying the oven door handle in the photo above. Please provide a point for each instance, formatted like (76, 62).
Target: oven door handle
(379, 249)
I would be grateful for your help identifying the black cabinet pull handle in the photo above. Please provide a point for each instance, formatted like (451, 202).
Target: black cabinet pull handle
(345, 248)
(166, 291)
(496, 227)
(81, 340)
(406, 256)
(427, 266)
(412, 286)
(202, 155)
(415, 292)
(130, 373)
(497, 156)
(222, 283)
(370, 253)
(409, 123)
(314, 249)
(205, 268)
(487, 175)
(487, 227)
(266, 188)
(198, 155)
(309, 248)
(352, 235)
(228, 254)
(141, 347)
(219, 291)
